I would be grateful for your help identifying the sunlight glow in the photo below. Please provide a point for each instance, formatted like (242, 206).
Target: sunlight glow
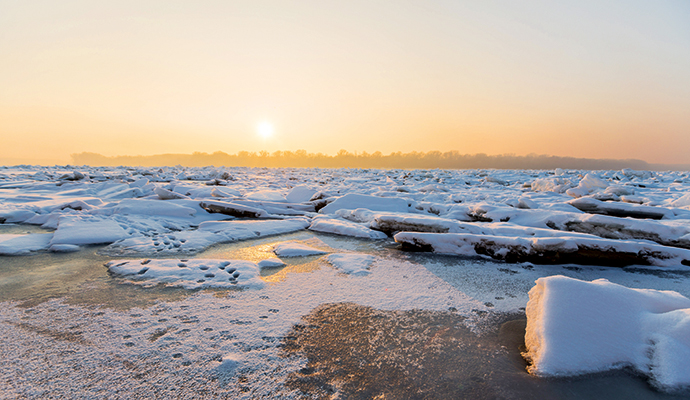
(265, 129)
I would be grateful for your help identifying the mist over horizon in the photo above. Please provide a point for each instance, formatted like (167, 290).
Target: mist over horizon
(344, 159)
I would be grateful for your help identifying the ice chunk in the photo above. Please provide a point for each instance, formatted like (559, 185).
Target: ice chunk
(548, 250)
(166, 194)
(189, 274)
(353, 264)
(239, 230)
(87, 230)
(268, 195)
(345, 228)
(271, 263)
(300, 194)
(14, 216)
(576, 327)
(294, 249)
(64, 248)
(623, 210)
(233, 209)
(588, 184)
(353, 200)
(153, 207)
(22, 244)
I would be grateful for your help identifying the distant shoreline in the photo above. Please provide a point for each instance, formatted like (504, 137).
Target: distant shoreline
(344, 159)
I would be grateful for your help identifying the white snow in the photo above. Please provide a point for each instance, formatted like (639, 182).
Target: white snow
(577, 327)
(346, 228)
(524, 218)
(74, 229)
(189, 274)
(294, 249)
(353, 264)
(352, 200)
(11, 244)
(300, 194)
(271, 263)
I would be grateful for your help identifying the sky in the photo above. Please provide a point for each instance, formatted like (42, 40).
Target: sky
(593, 79)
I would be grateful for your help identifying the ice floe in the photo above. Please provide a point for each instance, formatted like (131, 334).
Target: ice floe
(189, 274)
(576, 327)
(548, 250)
(294, 249)
(11, 244)
(353, 264)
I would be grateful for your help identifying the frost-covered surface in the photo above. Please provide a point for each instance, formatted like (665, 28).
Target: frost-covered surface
(12, 244)
(212, 343)
(209, 345)
(134, 208)
(576, 327)
(189, 274)
(353, 264)
(294, 249)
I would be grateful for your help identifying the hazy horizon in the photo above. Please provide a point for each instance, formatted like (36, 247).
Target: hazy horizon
(578, 79)
(376, 160)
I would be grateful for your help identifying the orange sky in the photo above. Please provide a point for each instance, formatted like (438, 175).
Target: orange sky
(574, 78)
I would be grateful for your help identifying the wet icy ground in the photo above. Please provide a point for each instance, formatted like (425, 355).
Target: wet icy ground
(74, 328)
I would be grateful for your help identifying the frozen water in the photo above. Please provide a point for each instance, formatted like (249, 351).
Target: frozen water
(576, 327)
(224, 339)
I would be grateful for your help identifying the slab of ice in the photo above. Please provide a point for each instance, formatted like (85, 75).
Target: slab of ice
(269, 195)
(576, 327)
(271, 263)
(548, 250)
(11, 244)
(87, 229)
(153, 207)
(590, 183)
(233, 209)
(300, 194)
(617, 209)
(14, 216)
(353, 264)
(166, 194)
(189, 274)
(64, 248)
(294, 249)
(240, 230)
(353, 200)
(345, 228)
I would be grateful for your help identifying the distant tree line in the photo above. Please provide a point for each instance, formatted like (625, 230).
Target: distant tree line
(414, 160)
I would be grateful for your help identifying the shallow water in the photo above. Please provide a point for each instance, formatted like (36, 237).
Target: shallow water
(171, 336)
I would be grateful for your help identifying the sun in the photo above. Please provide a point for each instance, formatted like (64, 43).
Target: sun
(264, 129)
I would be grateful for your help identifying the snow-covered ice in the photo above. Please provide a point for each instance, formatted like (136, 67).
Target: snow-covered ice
(577, 327)
(294, 249)
(189, 274)
(353, 264)
(503, 228)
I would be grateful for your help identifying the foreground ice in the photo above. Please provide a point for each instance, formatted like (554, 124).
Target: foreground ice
(189, 274)
(164, 217)
(576, 327)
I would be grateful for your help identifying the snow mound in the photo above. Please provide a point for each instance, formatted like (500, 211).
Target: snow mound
(353, 200)
(548, 250)
(22, 244)
(576, 327)
(189, 274)
(353, 264)
(294, 249)
(87, 230)
(345, 228)
(271, 263)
